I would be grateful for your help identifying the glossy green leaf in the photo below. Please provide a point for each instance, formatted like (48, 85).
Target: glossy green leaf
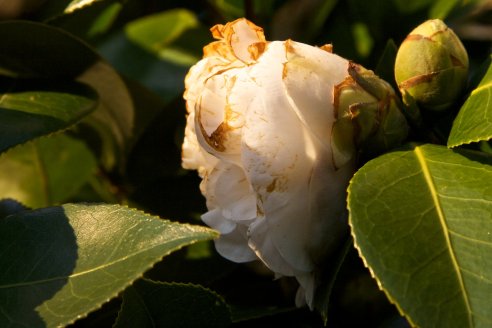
(54, 9)
(60, 263)
(10, 206)
(157, 32)
(474, 121)
(385, 68)
(319, 17)
(139, 64)
(79, 4)
(230, 9)
(441, 8)
(32, 108)
(422, 222)
(90, 21)
(39, 50)
(114, 118)
(46, 171)
(159, 304)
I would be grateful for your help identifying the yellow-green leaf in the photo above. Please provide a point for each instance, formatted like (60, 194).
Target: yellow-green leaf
(422, 222)
(60, 263)
(474, 121)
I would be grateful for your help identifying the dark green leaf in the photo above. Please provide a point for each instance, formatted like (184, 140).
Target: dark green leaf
(230, 9)
(60, 263)
(422, 222)
(441, 8)
(55, 9)
(385, 68)
(141, 65)
(33, 49)
(319, 17)
(474, 121)
(91, 20)
(412, 6)
(114, 119)
(36, 50)
(157, 304)
(46, 171)
(327, 277)
(32, 108)
(10, 206)
(157, 32)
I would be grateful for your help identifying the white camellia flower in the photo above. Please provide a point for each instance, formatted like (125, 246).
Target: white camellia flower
(261, 131)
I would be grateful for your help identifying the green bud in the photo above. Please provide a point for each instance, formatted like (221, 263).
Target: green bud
(369, 116)
(432, 66)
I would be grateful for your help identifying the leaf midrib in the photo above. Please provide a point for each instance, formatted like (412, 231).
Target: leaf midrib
(440, 213)
(100, 267)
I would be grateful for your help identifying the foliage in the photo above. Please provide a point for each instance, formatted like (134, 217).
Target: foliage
(92, 121)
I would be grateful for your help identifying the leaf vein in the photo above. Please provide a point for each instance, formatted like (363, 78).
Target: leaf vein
(440, 213)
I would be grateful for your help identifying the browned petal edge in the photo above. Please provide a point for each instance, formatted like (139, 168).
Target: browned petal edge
(257, 49)
(217, 31)
(413, 81)
(258, 30)
(219, 49)
(217, 139)
(289, 48)
(228, 31)
(327, 47)
(348, 81)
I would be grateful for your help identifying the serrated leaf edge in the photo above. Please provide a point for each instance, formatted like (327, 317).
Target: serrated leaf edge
(173, 283)
(364, 261)
(98, 305)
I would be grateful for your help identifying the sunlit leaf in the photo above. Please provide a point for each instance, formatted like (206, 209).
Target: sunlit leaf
(55, 9)
(158, 304)
(474, 121)
(60, 263)
(157, 32)
(32, 108)
(363, 41)
(91, 20)
(422, 222)
(46, 171)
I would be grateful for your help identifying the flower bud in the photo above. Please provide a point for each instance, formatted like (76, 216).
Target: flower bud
(273, 128)
(432, 66)
(369, 111)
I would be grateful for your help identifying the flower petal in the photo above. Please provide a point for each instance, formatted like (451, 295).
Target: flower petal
(228, 189)
(321, 71)
(215, 219)
(261, 243)
(234, 246)
(278, 155)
